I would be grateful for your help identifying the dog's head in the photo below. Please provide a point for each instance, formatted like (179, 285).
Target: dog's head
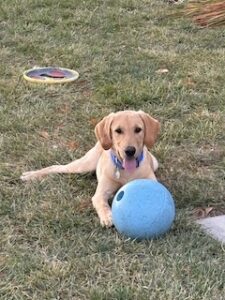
(126, 133)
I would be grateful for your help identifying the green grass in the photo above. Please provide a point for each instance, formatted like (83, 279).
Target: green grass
(52, 246)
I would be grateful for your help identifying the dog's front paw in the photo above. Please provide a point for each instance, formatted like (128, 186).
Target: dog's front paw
(31, 175)
(106, 219)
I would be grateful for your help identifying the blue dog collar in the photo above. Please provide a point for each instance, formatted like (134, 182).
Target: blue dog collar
(118, 164)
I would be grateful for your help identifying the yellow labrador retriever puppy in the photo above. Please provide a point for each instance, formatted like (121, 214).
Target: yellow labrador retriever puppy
(120, 155)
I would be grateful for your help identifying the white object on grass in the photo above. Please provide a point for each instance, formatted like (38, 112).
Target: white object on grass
(215, 227)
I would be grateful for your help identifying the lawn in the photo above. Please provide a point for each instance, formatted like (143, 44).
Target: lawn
(51, 243)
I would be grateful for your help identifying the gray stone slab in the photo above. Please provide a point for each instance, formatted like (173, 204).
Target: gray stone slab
(214, 226)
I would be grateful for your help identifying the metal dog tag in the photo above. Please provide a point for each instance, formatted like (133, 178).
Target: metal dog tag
(117, 173)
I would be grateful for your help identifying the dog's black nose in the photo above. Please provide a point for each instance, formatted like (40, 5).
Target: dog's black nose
(130, 151)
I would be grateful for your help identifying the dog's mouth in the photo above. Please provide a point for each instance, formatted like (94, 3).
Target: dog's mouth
(129, 161)
(129, 164)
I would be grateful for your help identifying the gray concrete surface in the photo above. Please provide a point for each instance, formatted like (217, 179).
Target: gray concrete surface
(215, 227)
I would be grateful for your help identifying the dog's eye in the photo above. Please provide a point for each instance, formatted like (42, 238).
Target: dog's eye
(137, 130)
(119, 130)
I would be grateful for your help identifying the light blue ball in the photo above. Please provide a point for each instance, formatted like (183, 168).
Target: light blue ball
(143, 209)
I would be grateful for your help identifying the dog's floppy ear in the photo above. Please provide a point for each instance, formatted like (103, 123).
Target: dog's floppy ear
(152, 127)
(103, 131)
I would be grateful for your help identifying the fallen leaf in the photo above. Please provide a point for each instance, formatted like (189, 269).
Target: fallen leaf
(94, 121)
(205, 212)
(199, 213)
(65, 108)
(46, 205)
(44, 134)
(83, 206)
(190, 82)
(72, 145)
(58, 128)
(162, 71)
(82, 82)
(87, 93)
(208, 210)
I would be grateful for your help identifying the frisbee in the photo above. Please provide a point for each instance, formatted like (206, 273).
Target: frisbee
(50, 75)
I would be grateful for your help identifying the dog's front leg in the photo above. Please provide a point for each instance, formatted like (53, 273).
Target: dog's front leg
(105, 190)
